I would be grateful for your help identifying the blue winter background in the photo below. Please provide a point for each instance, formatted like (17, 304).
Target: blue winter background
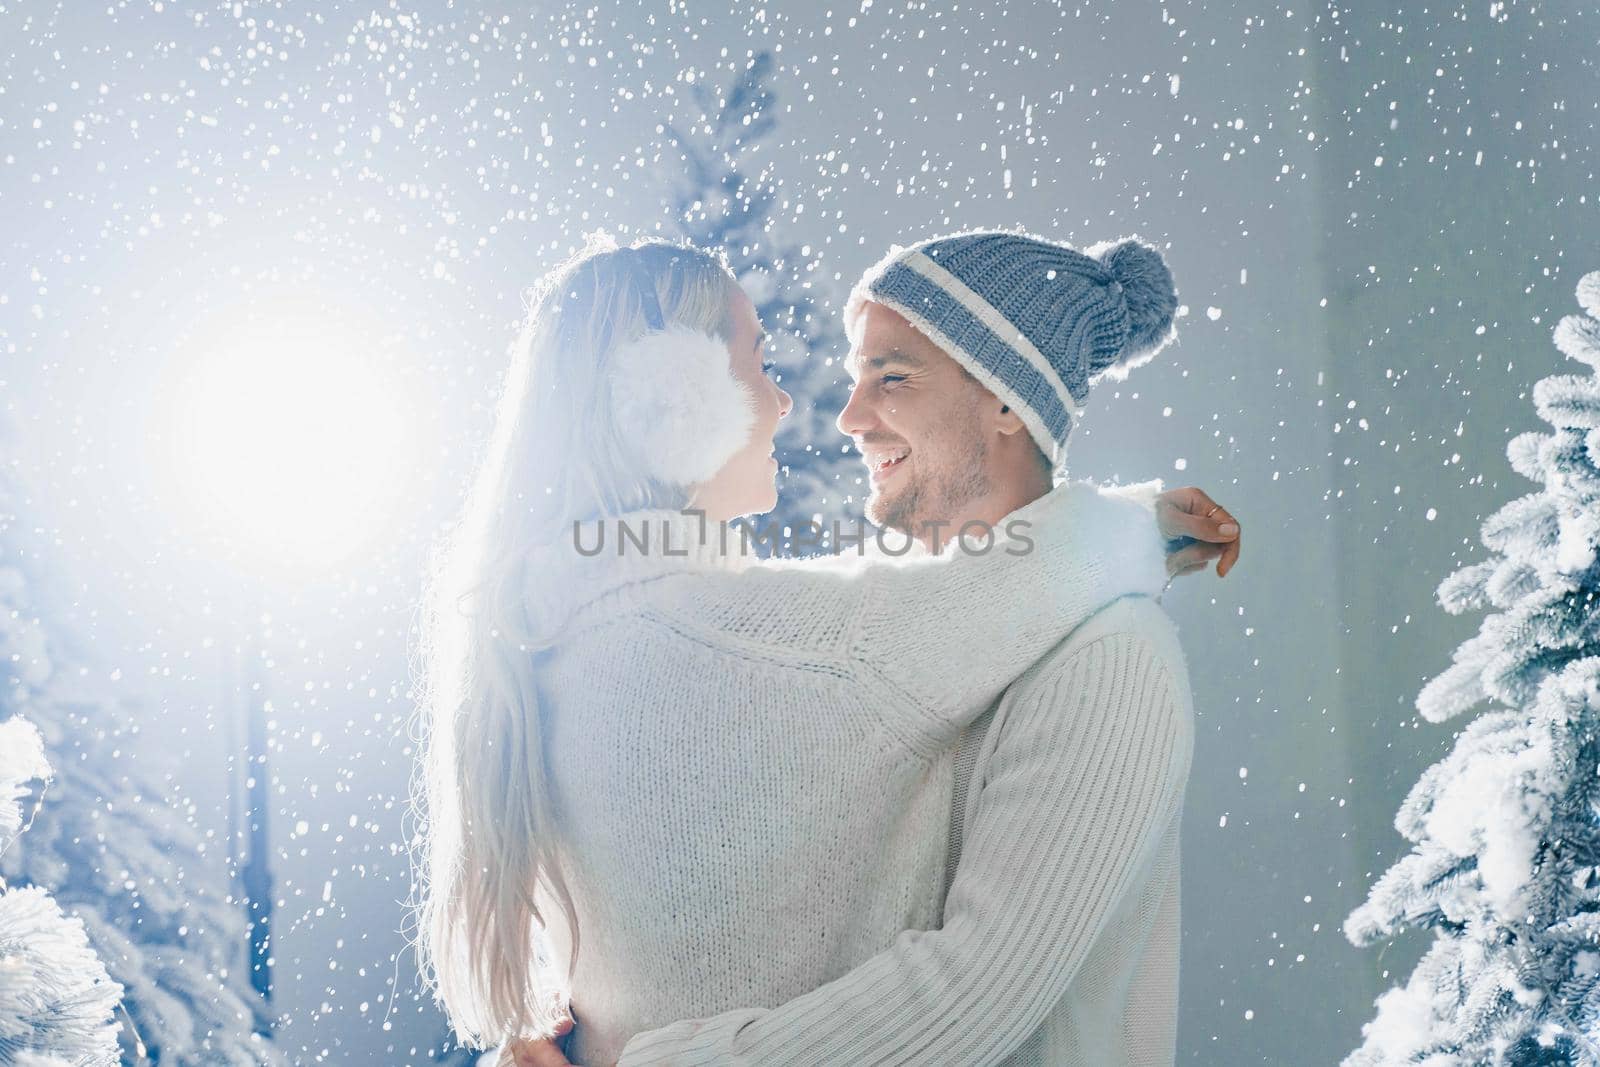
(261, 265)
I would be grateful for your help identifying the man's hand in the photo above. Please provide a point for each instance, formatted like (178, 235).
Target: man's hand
(541, 1052)
(1200, 530)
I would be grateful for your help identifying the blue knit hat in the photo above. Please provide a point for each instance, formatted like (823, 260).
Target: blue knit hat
(1033, 320)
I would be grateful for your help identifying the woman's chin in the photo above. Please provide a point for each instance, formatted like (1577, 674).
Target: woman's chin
(763, 501)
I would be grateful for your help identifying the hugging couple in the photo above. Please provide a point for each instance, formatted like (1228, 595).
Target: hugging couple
(847, 809)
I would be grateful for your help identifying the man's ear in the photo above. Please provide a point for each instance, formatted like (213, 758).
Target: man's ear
(1007, 421)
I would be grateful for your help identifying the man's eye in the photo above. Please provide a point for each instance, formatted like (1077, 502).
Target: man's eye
(890, 379)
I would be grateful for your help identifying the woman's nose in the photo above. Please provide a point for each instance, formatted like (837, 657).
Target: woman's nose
(785, 404)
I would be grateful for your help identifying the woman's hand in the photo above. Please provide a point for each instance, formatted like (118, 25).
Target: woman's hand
(1198, 529)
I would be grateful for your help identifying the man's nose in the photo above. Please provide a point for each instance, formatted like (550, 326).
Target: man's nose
(855, 418)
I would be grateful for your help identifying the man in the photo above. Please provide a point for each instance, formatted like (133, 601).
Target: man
(1059, 935)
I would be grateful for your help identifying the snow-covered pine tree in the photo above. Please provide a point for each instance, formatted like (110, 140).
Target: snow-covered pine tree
(1506, 828)
(56, 1000)
(118, 848)
(727, 198)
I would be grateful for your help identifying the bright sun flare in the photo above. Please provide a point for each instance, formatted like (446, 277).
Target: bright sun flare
(293, 438)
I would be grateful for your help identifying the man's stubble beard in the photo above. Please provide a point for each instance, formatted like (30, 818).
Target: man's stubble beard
(917, 505)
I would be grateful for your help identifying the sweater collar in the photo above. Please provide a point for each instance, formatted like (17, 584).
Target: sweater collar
(595, 557)
(657, 539)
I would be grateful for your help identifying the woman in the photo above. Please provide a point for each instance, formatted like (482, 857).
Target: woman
(660, 784)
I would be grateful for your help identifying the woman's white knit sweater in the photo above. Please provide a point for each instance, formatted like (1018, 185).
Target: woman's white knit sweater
(751, 762)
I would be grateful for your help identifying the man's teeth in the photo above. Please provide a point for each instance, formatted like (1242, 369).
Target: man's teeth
(884, 462)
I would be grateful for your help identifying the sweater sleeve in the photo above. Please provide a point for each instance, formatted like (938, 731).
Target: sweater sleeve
(1090, 769)
(939, 637)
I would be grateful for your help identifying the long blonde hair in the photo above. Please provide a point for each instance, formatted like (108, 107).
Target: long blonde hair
(484, 840)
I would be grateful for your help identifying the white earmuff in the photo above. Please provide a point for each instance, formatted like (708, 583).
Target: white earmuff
(675, 396)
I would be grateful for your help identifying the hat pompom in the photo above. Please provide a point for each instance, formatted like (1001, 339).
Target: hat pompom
(1151, 299)
(677, 402)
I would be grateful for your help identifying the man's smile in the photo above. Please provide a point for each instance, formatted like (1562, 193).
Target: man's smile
(883, 462)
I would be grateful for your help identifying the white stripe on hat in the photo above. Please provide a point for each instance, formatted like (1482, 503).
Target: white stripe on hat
(986, 314)
(1030, 418)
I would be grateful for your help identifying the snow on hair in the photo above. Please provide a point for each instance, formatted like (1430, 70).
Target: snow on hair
(487, 882)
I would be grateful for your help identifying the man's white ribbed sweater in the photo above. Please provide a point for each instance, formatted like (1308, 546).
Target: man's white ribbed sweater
(752, 762)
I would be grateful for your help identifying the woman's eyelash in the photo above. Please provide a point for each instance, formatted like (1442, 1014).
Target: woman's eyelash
(768, 366)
